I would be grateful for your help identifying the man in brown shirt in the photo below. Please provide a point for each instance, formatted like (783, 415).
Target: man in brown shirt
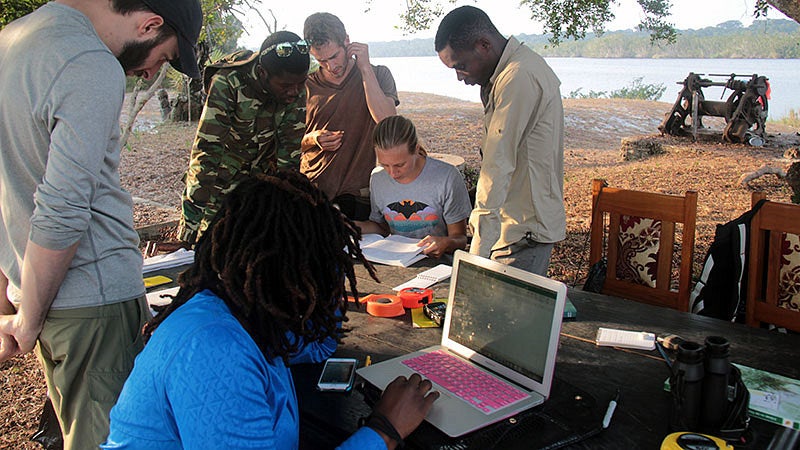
(346, 98)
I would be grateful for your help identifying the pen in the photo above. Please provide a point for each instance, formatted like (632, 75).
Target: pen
(660, 348)
(612, 405)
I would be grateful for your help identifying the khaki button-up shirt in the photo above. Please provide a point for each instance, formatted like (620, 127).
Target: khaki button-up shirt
(521, 184)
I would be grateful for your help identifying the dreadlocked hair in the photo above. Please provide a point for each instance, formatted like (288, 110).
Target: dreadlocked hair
(277, 253)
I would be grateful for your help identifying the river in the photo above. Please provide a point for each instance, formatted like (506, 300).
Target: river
(428, 74)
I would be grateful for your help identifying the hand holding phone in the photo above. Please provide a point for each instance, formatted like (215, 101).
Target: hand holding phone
(338, 375)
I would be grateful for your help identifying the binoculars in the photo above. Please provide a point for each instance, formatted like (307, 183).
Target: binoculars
(708, 394)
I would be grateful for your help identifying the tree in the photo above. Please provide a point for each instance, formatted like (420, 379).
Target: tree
(12, 9)
(791, 8)
(221, 24)
(570, 19)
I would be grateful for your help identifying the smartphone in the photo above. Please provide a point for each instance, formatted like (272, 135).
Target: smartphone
(338, 375)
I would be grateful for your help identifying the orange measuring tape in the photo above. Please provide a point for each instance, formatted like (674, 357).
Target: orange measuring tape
(414, 297)
(383, 305)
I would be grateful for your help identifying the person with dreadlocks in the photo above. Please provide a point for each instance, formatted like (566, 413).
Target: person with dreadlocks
(269, 275)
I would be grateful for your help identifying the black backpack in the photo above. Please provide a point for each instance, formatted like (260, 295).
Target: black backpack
(720, 292)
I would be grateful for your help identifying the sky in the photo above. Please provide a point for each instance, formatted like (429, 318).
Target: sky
(381, 21)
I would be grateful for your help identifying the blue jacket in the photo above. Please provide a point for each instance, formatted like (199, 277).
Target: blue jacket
(201, 382)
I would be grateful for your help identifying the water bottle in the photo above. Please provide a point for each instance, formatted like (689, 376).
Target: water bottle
(686, 385)
(715, 384)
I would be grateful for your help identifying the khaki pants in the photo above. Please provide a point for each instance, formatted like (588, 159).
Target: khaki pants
(526, 254)
(86, 354)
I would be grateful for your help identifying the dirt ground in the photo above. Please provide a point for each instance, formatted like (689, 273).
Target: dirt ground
(157, 156)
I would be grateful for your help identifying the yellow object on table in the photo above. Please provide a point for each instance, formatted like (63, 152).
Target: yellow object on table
(156, 280)
(688, 440)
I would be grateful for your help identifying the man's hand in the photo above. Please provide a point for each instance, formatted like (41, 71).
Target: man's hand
(8, 345)
(361, 52)
(380, 104)
(328, 141)
(405, 402)
(15, 337)
(43, 271)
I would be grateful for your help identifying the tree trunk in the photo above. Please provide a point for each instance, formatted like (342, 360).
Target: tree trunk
(746, 178)
(163, 103)
(789, 7)
(184, 108)
(136, 104)
(793, 179)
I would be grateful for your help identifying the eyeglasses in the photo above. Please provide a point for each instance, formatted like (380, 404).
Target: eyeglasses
(284, 49)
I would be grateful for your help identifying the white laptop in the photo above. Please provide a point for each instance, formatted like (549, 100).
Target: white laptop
(501, 320)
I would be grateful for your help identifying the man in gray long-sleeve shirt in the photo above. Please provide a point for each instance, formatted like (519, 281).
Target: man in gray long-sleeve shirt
(70, 268)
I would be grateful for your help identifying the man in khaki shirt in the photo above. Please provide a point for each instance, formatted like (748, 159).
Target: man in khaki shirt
(519, 204)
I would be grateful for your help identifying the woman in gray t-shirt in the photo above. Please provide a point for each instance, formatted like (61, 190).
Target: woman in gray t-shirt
(413, 195)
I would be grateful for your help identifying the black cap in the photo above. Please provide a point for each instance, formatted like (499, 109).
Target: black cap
(186, 18)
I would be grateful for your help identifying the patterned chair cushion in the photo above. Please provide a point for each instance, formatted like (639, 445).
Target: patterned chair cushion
(789, 284)
(638, 250)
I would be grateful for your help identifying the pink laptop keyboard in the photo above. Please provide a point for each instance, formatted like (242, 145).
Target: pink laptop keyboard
(480, 389)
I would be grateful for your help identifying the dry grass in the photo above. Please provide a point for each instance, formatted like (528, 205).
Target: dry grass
(153, 164)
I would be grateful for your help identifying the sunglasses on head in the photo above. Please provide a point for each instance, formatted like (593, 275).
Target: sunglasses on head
(285, 49)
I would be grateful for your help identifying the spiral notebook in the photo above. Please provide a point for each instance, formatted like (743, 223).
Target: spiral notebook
(427, 278)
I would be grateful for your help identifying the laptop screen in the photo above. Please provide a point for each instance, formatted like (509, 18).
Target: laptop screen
(503, 318)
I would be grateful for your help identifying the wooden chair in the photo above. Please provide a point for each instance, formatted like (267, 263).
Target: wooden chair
(624, 206)
(774, 270)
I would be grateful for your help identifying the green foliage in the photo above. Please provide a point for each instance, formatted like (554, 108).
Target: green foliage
(775, 38)
(792, 119)
(221, 26)
(762, 6)
(176, 81)
(640, 91)
(573, 19)
(419, 14)
(763, 39)
(654, 22)
(570, 19)
(562, 19)
(592, 94)
(636, 91)
(13, 9)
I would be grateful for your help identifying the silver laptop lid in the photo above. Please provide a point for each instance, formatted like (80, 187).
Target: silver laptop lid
(505, 319)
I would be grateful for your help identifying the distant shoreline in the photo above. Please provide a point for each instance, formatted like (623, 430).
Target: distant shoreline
(763, 39)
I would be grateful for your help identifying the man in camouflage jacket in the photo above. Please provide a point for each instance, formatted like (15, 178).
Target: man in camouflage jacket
(252, 122)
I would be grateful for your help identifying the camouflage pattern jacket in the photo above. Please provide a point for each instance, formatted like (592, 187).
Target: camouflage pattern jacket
(243, 131)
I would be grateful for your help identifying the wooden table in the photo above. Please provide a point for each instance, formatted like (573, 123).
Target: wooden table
(642, 416)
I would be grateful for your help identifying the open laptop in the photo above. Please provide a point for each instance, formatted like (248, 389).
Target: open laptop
(501, 320)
